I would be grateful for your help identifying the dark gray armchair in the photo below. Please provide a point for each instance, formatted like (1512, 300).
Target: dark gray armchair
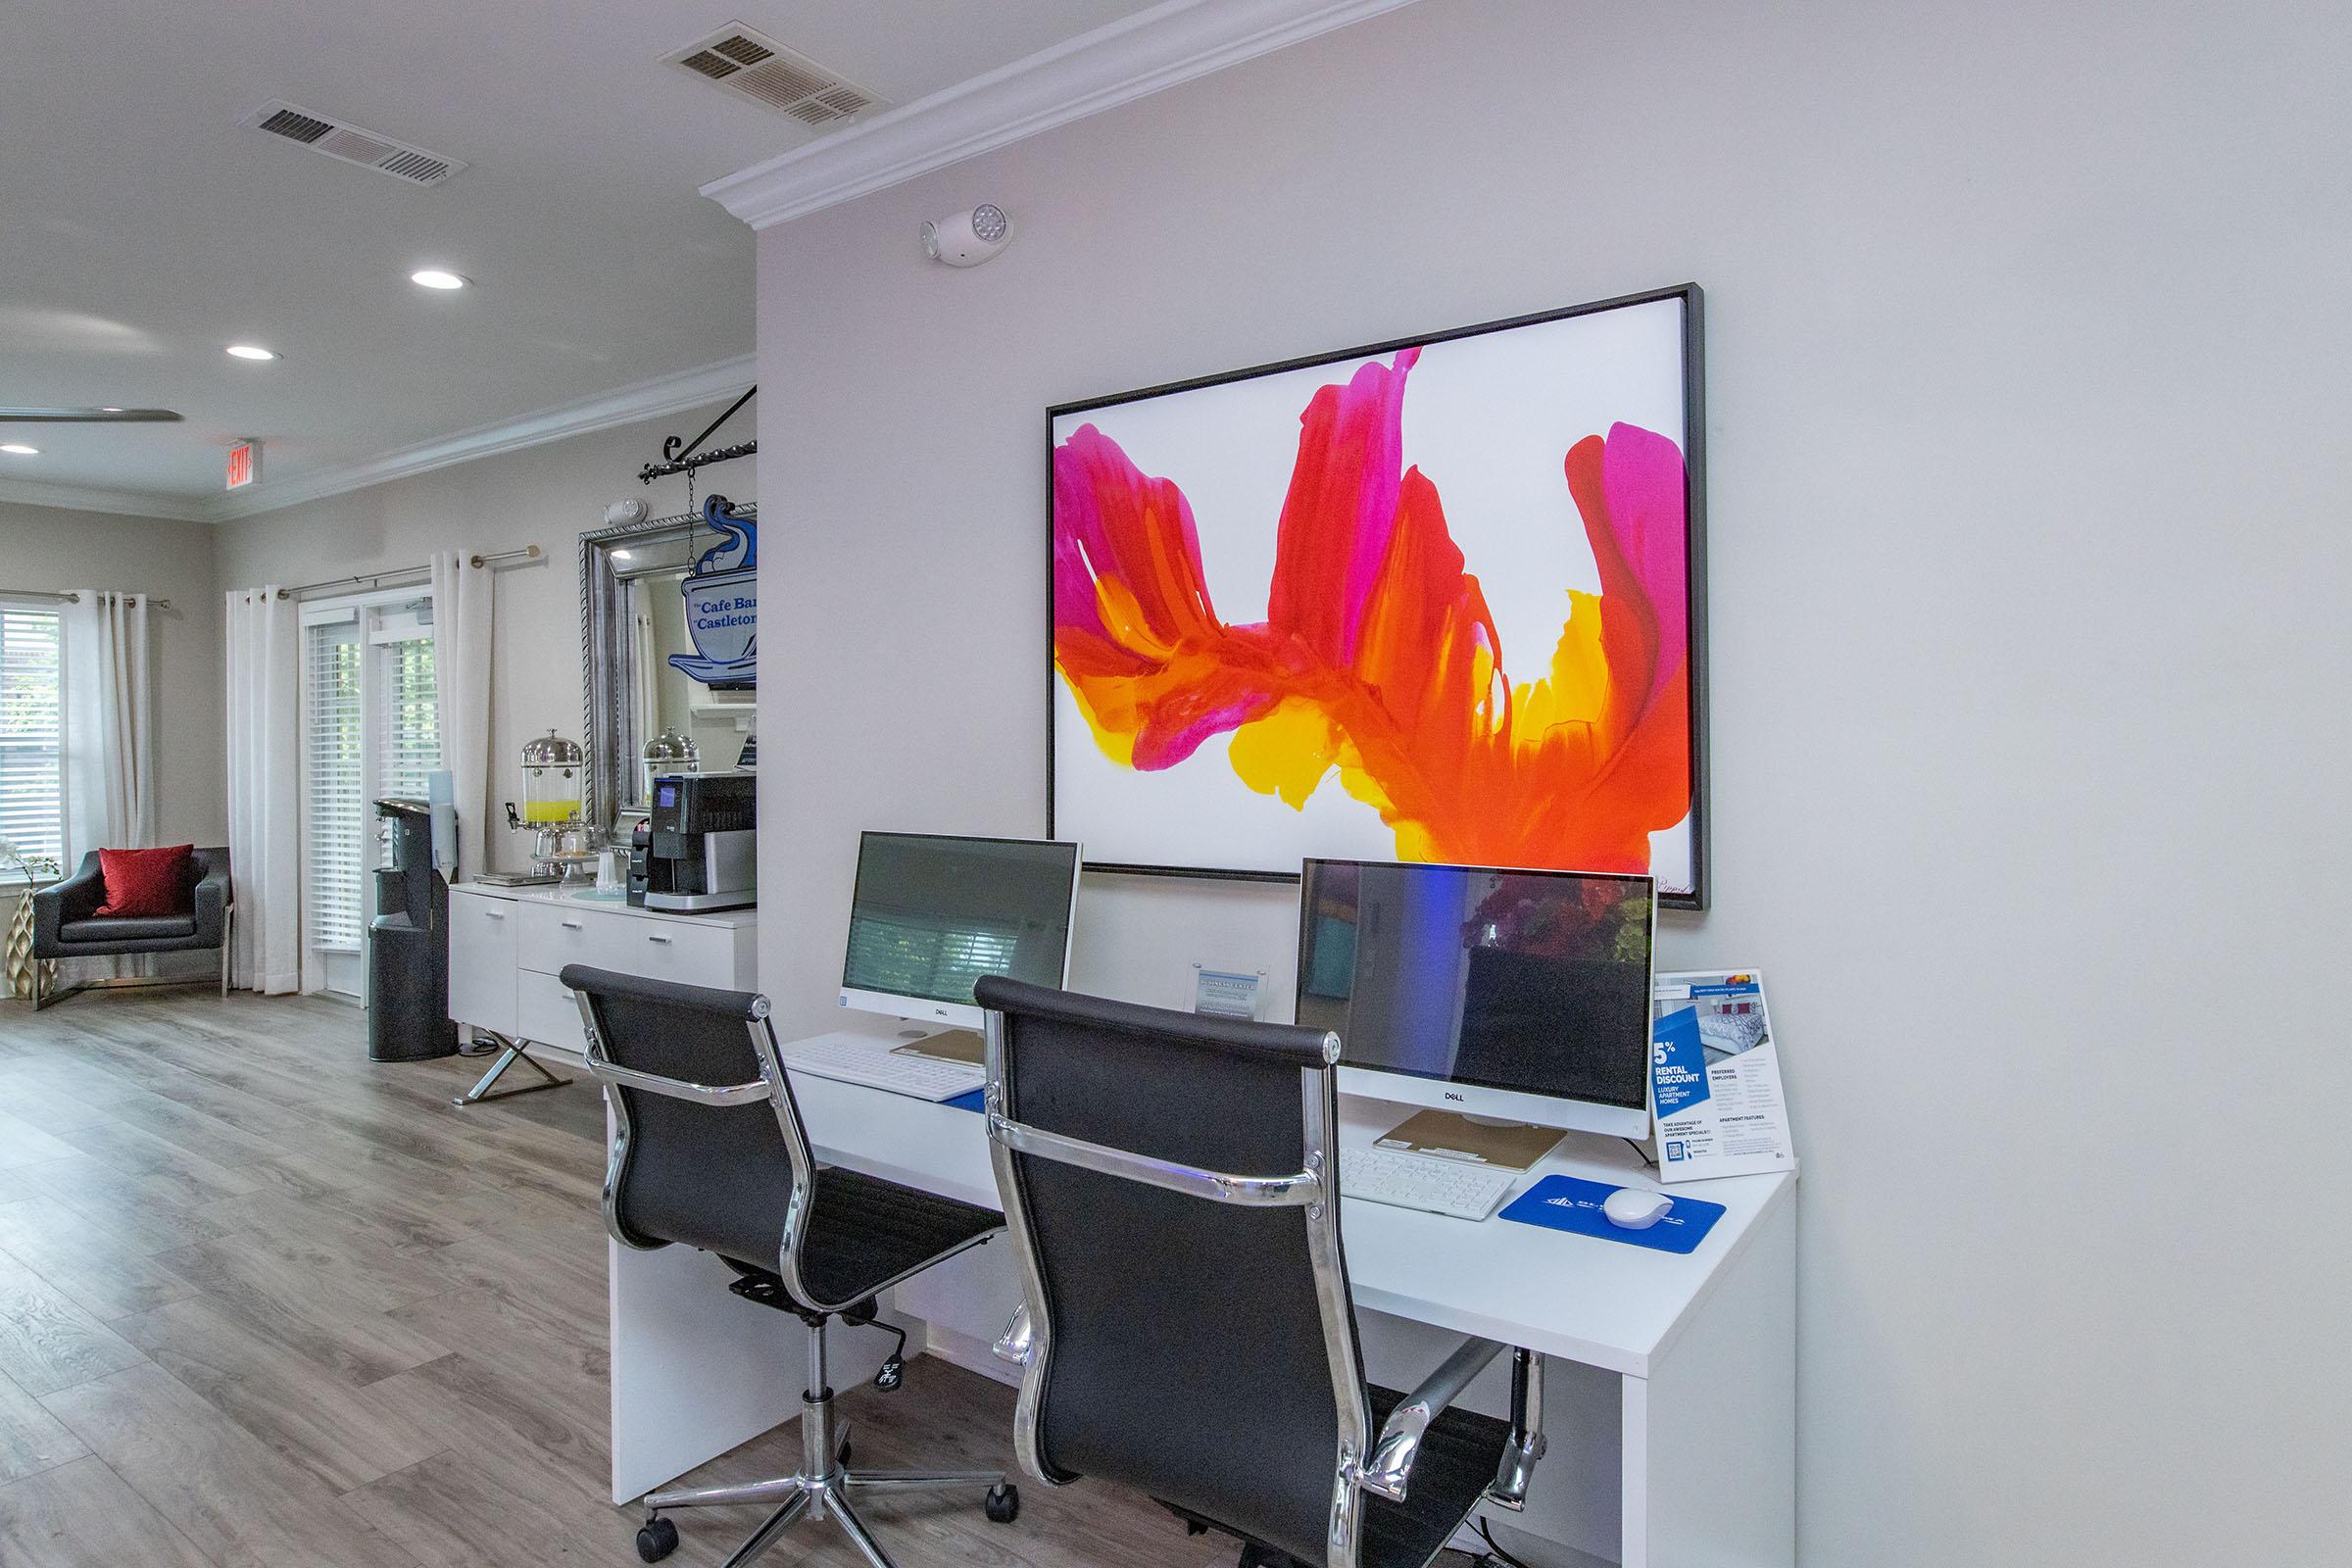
(65, 924)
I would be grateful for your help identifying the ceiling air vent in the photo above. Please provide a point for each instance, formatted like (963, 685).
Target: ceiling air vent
(350, 144)
(754, 66)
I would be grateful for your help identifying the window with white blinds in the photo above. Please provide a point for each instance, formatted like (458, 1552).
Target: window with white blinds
(31, 785)
(408, 731)
(334, 781)
(371, 728)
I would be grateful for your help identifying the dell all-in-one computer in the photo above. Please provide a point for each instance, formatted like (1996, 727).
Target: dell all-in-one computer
(931, 915)
(1520, 996)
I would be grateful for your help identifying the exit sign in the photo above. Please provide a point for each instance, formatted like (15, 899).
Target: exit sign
(244, 465)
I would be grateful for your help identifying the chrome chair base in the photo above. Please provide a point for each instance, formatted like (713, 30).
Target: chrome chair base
(819, 1491)
(806, 1497)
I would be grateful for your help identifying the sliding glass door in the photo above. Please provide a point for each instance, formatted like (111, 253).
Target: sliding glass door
(371, 728)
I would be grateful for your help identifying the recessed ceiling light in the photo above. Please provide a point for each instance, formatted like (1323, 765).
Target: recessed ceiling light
(248, 351)
(434, 277)
(20, 450)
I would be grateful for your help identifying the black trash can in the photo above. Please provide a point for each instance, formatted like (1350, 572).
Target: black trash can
(408, 946)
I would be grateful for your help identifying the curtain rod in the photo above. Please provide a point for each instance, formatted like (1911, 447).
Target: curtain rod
(490, 559)
(74, 598)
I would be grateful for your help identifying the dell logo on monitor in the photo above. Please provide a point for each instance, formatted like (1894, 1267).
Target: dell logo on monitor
(1457, 1099)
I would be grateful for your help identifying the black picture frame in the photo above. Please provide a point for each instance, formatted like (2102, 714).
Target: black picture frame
(1695, 444)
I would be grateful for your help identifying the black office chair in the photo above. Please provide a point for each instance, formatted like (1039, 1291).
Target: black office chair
(1171, 1187)
(709, 1151)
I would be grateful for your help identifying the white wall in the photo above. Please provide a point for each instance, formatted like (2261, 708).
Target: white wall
(2029, 430)
(545, 495)
(47, 548)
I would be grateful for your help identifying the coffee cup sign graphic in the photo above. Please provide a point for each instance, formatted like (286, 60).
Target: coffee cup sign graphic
(722, 604)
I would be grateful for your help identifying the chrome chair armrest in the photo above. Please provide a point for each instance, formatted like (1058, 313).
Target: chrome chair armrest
(1019, 1342)
(1257, 1191)
(603, 1069)
(1389, 1470)
(1526, 1445)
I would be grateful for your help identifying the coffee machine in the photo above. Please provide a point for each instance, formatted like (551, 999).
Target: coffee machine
(702, 852)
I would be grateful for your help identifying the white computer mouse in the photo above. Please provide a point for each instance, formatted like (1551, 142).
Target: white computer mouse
(1632, 1208)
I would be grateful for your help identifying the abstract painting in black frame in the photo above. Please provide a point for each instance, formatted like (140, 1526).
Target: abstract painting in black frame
(1439, 599)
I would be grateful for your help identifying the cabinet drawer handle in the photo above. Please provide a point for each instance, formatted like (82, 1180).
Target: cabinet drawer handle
(494, 914)
(664, 939)
(569, 925)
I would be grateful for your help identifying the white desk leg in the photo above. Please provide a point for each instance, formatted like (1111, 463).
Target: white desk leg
(695, 1370)
(1710, 1435)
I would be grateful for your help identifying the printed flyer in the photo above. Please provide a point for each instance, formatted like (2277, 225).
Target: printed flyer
(1715, 1077)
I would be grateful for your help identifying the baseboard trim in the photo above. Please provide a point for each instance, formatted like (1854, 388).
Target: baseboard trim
(969, 1354)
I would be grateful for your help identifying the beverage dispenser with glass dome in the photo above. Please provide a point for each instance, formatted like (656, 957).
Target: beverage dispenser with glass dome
(554, 774)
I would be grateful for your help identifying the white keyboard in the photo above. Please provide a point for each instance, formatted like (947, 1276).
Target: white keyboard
(877, 1065)
(1424, 1182)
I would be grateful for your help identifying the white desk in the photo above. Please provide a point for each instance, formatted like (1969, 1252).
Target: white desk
(1697, 1351)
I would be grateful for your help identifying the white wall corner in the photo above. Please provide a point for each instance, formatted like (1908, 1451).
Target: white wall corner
(1154, 49)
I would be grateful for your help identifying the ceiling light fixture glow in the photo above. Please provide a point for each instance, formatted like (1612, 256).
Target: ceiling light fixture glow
(435, 277)
(248, 351)
(19, 449)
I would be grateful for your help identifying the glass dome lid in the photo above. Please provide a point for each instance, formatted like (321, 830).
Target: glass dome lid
(672, 746)
(552, 749)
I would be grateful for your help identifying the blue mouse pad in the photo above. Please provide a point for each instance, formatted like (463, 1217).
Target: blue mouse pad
(1566, 1204)
(971, 1099)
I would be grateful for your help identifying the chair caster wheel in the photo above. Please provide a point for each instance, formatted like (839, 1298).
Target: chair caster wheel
(1003, 1503)
(657, 1539)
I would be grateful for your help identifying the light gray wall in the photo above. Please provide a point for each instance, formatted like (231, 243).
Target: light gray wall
(545, 495)
(2029, 430)
(46, 548)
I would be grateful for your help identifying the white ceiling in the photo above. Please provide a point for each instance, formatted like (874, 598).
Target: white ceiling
(142, 229)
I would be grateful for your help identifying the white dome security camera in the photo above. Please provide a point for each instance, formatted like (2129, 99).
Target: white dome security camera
(966, 239)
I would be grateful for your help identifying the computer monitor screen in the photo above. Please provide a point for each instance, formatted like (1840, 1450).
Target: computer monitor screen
(931, 915)
(1518, 994)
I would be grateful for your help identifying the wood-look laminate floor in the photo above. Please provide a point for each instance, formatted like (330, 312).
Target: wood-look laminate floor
(266, 1304)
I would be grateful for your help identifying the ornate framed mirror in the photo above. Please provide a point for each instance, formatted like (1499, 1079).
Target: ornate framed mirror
(635, 632)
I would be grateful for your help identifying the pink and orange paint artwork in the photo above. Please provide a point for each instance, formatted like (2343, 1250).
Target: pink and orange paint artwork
(1378, 659)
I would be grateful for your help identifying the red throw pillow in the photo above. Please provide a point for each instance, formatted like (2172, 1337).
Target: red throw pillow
(148, 882)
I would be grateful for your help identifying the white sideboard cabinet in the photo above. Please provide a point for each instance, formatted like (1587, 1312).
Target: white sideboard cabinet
(508, 946)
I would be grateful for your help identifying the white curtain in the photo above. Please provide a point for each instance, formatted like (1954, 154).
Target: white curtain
(109, 724)
(462, 680)
(264, 790)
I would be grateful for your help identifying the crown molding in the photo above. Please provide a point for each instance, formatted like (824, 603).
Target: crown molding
(123, 502)
(646, 400)
(1154, 49)
(675, 393)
